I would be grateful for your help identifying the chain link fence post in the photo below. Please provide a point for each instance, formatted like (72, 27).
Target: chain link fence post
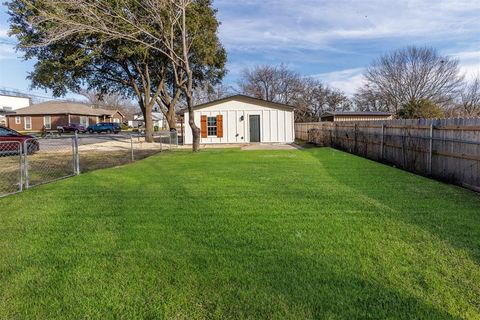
(76, 154)
(161, 142)
(20, 167)
(131, 147)
(74, 158)
(24, 152)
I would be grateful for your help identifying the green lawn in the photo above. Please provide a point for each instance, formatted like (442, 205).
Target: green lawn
(225, 234)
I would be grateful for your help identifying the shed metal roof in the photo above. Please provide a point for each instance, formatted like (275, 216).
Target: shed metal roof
(240, 97)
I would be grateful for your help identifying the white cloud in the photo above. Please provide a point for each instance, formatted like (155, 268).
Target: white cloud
(7, 51)
(314, 24)
(348, 80)
(469, 62)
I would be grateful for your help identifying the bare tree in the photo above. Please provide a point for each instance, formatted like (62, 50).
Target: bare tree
(113, 101)
(470, 98)
(271, 83)
(316, 98)
(310, 96)
(413, 74)
(369, 100)
(207, 92)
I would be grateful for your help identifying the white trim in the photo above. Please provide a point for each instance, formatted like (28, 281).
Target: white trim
(49, 122)
(18, 120)
(215, 126)
(28, 120)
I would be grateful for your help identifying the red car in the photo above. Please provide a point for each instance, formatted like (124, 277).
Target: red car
(72, 127)
(12, 142)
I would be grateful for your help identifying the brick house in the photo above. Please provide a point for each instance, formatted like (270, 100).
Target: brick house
(59, 113)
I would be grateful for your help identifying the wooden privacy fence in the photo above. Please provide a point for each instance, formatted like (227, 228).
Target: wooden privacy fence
(446, 149)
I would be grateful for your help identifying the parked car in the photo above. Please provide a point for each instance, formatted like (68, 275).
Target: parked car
(107, 127)
(73, 127)
(13, 142)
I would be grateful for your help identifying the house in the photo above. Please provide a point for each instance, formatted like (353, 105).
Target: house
(157, 117)
(355, 116)
(241, 119)
(10, 103)
(51, 114)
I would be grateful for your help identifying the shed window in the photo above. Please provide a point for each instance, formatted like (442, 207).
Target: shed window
(18, 120)
(212, 126)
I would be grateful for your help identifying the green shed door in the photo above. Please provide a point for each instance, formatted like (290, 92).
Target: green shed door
(254, 128)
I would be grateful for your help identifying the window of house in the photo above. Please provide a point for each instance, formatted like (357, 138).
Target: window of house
(47, 122)
(115, 120)
(18, 120)
(28, 123)
(84, 121)
(212, 126)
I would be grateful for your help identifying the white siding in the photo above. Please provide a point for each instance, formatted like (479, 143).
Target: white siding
(276, 124)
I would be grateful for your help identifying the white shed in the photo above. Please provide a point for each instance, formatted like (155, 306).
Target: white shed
(242, 119)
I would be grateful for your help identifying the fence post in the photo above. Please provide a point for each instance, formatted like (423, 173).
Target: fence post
(25, 164)
(131, 148)
(161, 141)
(430, 149)
(77, 155)
(74, 157)
(382, 141)
(20, 165)
(355, 147)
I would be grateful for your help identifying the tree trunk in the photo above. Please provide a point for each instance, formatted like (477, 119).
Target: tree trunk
(171, 119)
(147, 116)
(193, 126)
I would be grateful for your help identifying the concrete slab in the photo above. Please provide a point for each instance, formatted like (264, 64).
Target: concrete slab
(270, 146)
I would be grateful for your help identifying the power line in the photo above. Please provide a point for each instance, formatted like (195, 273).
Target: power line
(21, 93)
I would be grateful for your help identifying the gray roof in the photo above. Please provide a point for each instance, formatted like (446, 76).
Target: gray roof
(64, 107)
(355, 113)
(239, 97)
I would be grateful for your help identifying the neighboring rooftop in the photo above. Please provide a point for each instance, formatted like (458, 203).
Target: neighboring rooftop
(356, 113)
(63, 107)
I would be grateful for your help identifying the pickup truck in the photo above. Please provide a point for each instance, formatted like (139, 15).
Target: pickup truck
(72, 127)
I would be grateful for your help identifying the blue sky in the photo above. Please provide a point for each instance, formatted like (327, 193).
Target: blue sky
(331, 40)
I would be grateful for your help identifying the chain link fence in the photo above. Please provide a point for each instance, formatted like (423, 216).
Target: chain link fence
(28, 163)
(11, 167)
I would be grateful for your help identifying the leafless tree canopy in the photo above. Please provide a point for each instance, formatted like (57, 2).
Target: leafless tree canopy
(271, 83)
(412, 74)
(279, 84)
(207, 92)
(370, 100)
(111, 101)
(469, 105)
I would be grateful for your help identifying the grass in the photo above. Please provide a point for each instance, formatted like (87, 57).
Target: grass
(225, 234)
